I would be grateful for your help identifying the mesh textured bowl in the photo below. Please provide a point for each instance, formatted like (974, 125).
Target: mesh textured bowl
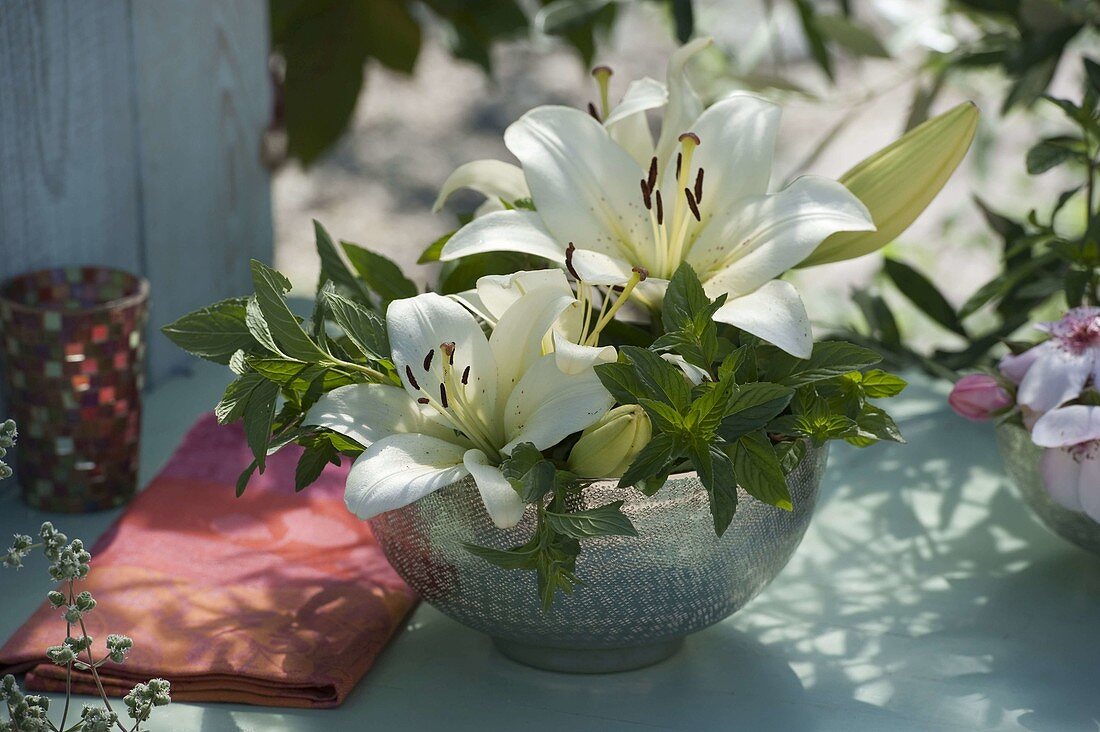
(72, 344)
(1021, 457)
(642, 594)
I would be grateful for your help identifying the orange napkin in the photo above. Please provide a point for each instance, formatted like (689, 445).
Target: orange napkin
(274, 598)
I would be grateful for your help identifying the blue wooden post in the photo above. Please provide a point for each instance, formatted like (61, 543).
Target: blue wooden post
(130, 136)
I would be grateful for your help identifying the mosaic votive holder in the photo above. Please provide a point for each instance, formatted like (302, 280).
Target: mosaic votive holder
(72, 342)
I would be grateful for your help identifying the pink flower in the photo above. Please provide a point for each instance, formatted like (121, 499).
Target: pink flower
(1056, 371)
(978, 397)
(1070, 465)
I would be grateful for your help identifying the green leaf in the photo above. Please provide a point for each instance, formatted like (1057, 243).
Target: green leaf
(808, 17)
(284, 327)
(790, 454)
(829, 359)
(531, 475)
(435, 249)
(1092, 73)
(257, 326)
(245, 476)
(313, 461)
(392, 34)
(878, 384)
(237, 393)
(664, 417)
(851, 36)
(335, 269)
(660, 379)
(463, 274)
(382, 275)
(654, 460)
(717, 474)
(621, 381)
(759, 471)
(1052, 152)
(872, 425)
(606, 520)
(518, 558)
(687, 316)
(922, 293)
(753, 406)
(365, 328)
(259, 412)
(215, 332)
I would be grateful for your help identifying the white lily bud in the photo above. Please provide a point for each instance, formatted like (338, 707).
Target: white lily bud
(606, 449)
(899, 181)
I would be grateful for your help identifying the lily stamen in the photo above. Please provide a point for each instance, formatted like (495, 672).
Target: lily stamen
(639, 275)
(602, 74)
(411, 378)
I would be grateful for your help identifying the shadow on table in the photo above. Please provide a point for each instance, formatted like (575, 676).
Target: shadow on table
(944, 600)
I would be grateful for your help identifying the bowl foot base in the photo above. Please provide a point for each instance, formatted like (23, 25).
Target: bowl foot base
(588, 660)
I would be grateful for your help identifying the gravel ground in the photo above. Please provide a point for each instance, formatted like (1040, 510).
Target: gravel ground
(377, 186)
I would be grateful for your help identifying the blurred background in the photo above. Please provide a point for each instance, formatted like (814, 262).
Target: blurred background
(241, 121)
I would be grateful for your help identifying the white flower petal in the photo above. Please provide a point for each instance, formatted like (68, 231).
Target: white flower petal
(595, 268)
(504, 231)
(517, 339)
(548, 405)
(1015, 368)
(684, 106)
(1070, 425)
(573, 358)
(1088, 492)
(493, 178)
(419, 326)
(1061, 473)
(399, 469)
(471, 300)
(499, 292)
(369, 412)
(775, 313)
(695, 374)
(761, 237)
(1054, 378)
(584, 185)
(628, 125)
(737, 142)
(502, 503)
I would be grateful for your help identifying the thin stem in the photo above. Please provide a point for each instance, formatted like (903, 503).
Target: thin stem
(95, 675)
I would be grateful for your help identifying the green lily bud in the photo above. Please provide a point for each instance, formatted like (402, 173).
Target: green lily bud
(899, 181)
(607, 448)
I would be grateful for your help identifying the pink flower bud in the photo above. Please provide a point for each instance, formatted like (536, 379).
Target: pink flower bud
(978, 396)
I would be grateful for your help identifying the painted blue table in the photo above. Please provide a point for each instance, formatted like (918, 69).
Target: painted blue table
(924, 597)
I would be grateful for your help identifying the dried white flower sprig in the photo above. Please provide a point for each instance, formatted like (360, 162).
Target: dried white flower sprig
(69, 563)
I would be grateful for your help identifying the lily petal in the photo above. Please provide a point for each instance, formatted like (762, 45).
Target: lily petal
(502, 503)
(1055, 378)
(1065, 426)
(504, 231)
(548, 405)
(418, 326)
(585, 186)
(369, 412)
(517, 339)
(494, 179)
(1061, 471)
(775, 313)
(695, 374)
(498, 292)
(399, 469)
(737, 142)
(595, 268)
(627, 124)
(760, 237)
(573, 358)
(684, 106)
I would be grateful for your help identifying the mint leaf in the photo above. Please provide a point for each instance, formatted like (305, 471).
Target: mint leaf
(878, 384)
(655, 460)
(753, 406)
(659, 378)
(363, 327)
(608, 520)
(334, 269)
(759, 470)
(529, 472)
(663, 417)
(621, 381)
(519, 558)
(829, 359)
(312, 461)
(283, 325)
(381, 274)
(873, 425)
(687, 316)
(215, 332)
(257, 326)
(717, 474)
(259, 412)
(435, 249)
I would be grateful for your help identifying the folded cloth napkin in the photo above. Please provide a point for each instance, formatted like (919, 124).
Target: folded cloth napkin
(274, 598)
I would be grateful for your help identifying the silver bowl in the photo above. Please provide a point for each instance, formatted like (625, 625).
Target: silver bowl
(1021, 457)
(641, 595)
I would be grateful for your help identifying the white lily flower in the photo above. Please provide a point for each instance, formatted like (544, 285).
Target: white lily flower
(467, 402)
(702, 198)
